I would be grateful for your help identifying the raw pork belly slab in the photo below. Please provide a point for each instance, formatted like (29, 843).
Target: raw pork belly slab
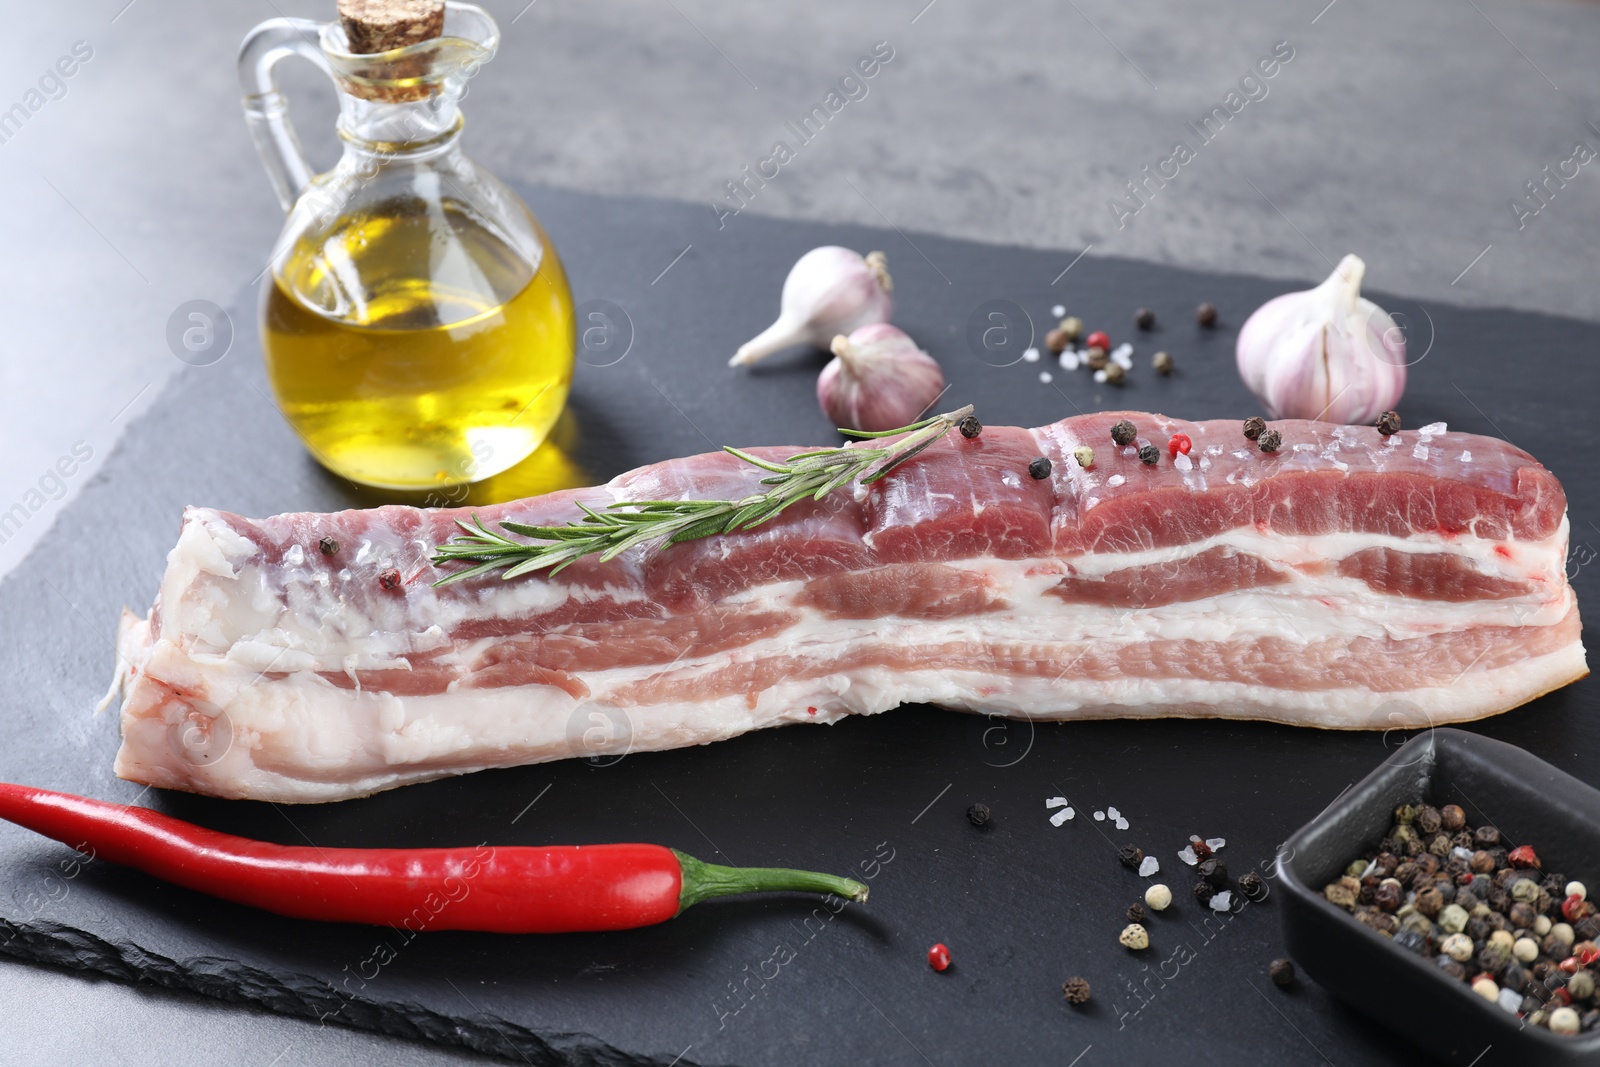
(1348, 580)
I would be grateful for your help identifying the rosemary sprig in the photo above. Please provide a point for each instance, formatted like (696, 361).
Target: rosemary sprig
(621, 526)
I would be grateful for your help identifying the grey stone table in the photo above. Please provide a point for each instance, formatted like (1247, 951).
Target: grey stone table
(1407, 133)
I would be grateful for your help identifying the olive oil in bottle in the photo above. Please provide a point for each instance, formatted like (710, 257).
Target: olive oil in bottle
(408, 382)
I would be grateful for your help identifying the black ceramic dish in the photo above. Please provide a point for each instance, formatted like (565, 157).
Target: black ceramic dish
(1528, 800)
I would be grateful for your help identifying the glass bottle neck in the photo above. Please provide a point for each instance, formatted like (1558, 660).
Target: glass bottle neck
(400, 130)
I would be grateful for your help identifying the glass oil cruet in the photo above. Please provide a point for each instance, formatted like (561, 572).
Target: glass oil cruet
(416, 321)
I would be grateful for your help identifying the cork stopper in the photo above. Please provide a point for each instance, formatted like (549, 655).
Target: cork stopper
(379, 25)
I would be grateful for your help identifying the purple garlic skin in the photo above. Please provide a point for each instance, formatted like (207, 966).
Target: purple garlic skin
(829, 291)
(878, 380)
(1326, 353)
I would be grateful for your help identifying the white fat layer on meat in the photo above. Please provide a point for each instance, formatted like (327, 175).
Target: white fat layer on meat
(217, 601)
(295, 742)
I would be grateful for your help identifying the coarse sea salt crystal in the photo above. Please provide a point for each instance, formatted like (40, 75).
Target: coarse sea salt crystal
(1055, 802)
(1115, 480)
(1182, 462)
(1031, 355)
(1420, 452)
(1459, 853)
(1061, 816)
(1069, 359)
(1046, 377)
(1124, 349)
(1221, 901)
(1466, 457)
(1100, 377)
(1214, 843)
(1205, 463)
(1058, 311)
(1122, 824)
(1124, 361)
(1099, 816)
(1188, 856)
(1150, 866)
(1241, 453)
(1113, 813)
(1433, 429)
(1510, 1000)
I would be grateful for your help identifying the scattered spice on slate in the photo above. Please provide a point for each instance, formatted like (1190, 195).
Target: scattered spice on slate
(1162, 362)
(1124, 432)
(390, 579)
(978, 815)
(1137, 914)
(1150, 454)
(1282, 973)
(1130, 855)
(1072, 326)
(1039, 469)
(1254, 427)
(1097, 358)
(1204, 891)
(1084, 455)
(328, 546)
(1057, 340)
(1158, 897)
(1213, 871)
(1198, 846)
(1098, 339)
(1179, 445)
(1389, 423)
(1488, 916)
(1206, 315)
(970, 427)
(1116, 373)
(1144, 318)
(1251, 885)
(1134, 936)
(1075, 990)
(939, 957)
(1269, 440)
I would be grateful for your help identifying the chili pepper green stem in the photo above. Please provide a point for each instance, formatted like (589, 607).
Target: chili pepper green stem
(701, 881)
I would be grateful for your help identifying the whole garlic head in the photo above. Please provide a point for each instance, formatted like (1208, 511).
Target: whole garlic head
(878, 380)
(829, 291)
(1326, 353)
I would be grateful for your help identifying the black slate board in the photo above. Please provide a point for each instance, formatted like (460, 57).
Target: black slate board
(1022, 904)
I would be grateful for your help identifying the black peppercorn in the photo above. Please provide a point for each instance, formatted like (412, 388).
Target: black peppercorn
(1452, 815)
(1205, 315)
(1075, 990)
(1254, 427)
(1389, 423)
(970, 427)
(1251, 885)
(1124, 432)
(1452, 968)
(1523, 916)
(1428, 819)
(1130, 856)
(1514, 977)
(1269, 440)
(978, 815)
(1588, 927)
(1144, 318)
(390, 579)
(1281, 972)
(1486, 836)
(1479, 929)
(1463, 839)
(1204, 891)
(1430, 902)
(1116, 373)
(1150, 455)
(1162, 362)
(1214, 871)
(1137, 914)
(1039, 469)
(1412, 941)
(328, 546)
(1481, 862)
(1388, 895)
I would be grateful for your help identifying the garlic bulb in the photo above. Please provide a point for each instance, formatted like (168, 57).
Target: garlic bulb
(829, 291)
(1325, 353)
(878, 379)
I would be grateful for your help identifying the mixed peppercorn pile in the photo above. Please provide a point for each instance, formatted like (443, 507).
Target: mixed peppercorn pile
(1488, 915)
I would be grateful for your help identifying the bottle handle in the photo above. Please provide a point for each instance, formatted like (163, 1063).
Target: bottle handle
(266, 109)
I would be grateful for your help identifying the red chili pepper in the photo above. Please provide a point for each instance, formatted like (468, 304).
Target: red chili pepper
(1572, 908)
(939, 957)
(1098, 339)
(1523, 856)
(1570, 965)
(503, 889)
(1587, 953)
(1180, 443)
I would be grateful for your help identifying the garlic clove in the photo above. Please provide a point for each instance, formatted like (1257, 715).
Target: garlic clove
(1326, 353)
(829, 291)
(877, 380)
